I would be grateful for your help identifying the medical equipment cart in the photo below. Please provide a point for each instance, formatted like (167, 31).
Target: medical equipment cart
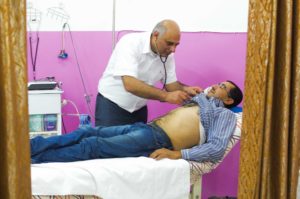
(44, 112)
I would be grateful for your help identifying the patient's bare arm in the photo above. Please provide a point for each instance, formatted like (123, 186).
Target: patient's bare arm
(165, 153)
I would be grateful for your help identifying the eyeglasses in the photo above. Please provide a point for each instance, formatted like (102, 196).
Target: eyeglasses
(223, 86)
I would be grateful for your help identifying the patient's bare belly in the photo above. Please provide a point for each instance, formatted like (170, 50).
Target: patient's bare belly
(182, 126)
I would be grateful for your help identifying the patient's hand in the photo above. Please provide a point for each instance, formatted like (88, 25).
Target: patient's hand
(165, 153)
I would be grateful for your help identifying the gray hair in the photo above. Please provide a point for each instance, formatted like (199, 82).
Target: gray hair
(160, 28)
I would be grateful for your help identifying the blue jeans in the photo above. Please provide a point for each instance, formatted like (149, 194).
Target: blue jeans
(110, 114)
(100, 142)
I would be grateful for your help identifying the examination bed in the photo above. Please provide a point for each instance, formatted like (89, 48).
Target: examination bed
(122, 178)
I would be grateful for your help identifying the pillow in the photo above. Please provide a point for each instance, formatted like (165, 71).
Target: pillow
(200, 168)
(236, 109)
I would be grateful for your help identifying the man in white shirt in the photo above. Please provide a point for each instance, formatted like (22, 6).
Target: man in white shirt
(139, 61)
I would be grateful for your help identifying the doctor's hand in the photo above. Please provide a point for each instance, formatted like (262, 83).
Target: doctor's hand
(165, 153)
(192, 90)
(176, 97)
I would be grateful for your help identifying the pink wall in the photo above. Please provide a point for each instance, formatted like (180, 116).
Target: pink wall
(202, 59)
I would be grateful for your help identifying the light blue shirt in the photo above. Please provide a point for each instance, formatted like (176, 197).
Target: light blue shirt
(219, 124)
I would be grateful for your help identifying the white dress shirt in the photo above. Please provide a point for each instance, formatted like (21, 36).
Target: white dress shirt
(133, 56)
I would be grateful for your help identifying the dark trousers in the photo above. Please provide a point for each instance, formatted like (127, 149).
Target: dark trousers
(110, 114)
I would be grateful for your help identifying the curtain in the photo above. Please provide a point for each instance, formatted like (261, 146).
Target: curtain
(14, 144)
(269, 161)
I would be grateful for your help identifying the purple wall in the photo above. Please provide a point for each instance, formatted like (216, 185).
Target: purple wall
(202, 59)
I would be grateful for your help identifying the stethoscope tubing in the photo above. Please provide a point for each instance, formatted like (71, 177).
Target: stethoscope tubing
(165, 70)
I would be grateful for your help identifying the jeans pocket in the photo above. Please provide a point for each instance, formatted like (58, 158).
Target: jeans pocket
(161, 139)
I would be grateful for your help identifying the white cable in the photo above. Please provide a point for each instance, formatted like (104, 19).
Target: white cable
(65, 102)
(86, 96)
(114, 25)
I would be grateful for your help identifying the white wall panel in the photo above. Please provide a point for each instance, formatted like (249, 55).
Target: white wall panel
(192, 15)
(84, 15)
(97, 15)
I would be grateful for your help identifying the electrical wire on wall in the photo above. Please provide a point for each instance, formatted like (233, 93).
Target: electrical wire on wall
(63, 54)
(86, 96)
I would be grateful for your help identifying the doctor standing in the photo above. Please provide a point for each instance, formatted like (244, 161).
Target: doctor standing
(139, 61)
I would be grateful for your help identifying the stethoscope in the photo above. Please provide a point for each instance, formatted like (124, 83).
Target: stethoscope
(33, 57)
(164, 65)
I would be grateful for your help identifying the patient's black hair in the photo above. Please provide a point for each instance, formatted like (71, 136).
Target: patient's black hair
(236, 94)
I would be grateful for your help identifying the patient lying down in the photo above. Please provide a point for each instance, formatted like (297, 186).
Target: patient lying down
(199, 131)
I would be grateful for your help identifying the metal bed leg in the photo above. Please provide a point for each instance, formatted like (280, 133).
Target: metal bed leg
(196, 189)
